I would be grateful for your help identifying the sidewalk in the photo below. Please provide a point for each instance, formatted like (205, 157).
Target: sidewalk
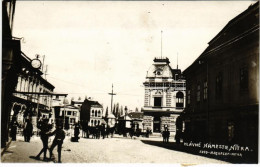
(20, 151)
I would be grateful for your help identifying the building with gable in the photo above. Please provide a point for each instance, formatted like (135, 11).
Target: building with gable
(164, 96)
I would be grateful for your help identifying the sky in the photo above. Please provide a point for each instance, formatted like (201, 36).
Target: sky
(89, 46)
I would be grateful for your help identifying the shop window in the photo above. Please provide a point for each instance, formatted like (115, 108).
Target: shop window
(157, 101)
(180, 100)
(243, 78)
(72, 120)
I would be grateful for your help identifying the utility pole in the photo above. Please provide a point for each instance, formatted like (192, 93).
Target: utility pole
(112, 94)
(46, 70)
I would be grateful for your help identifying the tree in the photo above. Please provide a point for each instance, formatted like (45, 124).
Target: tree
(136, 109)
(114, 110)
(117, 110)
(126, 110)
(121, 111)
(106, 115)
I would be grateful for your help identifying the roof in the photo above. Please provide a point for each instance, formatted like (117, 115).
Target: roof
(125, 118)
(160, 68)
(92, 103)
(136, 115)
(111, 116)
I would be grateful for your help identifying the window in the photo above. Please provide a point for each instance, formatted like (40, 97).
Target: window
(179, 97)
(92, 114)
(219, 85)
(72, 120)
(198, 92)
(91, 122)
(188, 96)
(69, 113)
(99, 113)
(95, 113)
(95, 122)
(243, 78)
(157, 101)
(205, 90)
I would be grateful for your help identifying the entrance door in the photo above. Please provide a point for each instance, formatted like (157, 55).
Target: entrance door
(156, 126)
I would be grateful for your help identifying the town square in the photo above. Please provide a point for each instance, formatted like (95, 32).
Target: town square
(157, 82)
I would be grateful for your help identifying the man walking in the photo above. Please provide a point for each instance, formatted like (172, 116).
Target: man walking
(58, 140)
(44, 129)
(28, 129)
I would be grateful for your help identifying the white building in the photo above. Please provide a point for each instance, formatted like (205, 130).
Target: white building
(164, 95)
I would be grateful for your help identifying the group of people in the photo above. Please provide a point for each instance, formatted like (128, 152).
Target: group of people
(27, 130)
(45, 133)
(166, 135)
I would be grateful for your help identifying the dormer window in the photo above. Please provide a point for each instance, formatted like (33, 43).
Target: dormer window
(158, 72)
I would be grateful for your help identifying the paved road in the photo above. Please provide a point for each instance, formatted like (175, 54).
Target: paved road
(109, 150)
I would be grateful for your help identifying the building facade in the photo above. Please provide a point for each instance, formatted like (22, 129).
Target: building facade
(223, 84)
(71, 114)
(32, 92)
(164, 95)
(91, 113)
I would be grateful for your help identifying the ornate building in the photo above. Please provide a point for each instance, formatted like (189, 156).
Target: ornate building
(164, 96)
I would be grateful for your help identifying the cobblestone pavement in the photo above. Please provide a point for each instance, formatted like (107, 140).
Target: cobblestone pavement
(108, 150)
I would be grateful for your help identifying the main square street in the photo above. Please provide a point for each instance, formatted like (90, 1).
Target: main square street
(118, 149)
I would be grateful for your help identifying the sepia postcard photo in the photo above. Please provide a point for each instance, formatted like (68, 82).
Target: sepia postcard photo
(130, 82)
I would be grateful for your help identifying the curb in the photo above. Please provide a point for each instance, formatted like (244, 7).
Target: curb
(6, 147)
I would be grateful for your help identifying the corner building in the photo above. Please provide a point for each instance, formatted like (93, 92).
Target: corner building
(223, 87)
(164, 96)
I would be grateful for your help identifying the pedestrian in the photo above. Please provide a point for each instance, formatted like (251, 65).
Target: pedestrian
(76, 132)
(103, 131)
(44, 129)
(164, 136)
(28, 129)
(14, 126)
(58, 140)
(167, 135)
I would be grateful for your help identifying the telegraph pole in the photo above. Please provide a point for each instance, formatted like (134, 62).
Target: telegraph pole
(112, 94)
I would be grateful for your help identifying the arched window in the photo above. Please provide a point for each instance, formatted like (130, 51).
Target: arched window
(95, 113)
(92, 113)
(95, 122)
(179, 100)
